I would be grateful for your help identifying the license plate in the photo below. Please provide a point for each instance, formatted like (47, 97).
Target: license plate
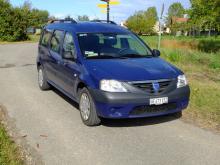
(159, 101)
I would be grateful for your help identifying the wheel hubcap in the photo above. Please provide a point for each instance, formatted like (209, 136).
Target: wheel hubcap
(40, 77)
(85, 106)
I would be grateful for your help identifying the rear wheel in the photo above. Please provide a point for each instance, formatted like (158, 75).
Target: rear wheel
(42, 80)
(87, 109)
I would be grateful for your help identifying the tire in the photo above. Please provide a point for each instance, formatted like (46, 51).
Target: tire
(87, 109)
(42, 80)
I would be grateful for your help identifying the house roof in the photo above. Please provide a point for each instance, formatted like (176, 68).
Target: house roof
(179, 20)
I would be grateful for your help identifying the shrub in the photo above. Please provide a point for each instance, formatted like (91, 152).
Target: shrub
(13, 23)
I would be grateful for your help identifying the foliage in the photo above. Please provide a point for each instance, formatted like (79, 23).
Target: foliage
(143, 22)
(205, 14)
(203, 44)
(83, 18)
(175, 10)
(9, 153)
(15, 20)
(38, 18)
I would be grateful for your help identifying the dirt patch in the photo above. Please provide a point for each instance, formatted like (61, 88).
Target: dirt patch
(204, 76)
(13, 65)
(197, 119)
(8, 66)
(28, 154)
(28, 65)
(179, 44)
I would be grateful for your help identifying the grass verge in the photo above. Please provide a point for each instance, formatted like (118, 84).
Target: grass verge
(203, 44)
(203, 72)
(9, 152)
(31, 39)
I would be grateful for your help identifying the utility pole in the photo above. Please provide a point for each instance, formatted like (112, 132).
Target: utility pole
(108, 9)
(160, 19)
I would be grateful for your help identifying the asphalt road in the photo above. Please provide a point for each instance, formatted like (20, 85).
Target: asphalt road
(66, 141)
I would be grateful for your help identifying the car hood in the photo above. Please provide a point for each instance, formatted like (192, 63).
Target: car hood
(138, 69)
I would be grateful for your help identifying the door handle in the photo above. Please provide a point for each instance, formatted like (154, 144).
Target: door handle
(65, 63)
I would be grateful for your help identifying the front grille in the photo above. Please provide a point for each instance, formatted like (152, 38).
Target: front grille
(141, 110)
(148, 86)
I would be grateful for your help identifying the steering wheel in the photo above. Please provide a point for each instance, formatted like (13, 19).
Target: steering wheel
(125, 51)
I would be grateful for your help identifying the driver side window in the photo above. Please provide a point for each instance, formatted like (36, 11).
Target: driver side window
(68, 44)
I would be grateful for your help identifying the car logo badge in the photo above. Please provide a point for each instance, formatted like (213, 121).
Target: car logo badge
(156, 87)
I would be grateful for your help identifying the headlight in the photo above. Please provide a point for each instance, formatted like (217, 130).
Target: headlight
(181, 81)
(112, 86)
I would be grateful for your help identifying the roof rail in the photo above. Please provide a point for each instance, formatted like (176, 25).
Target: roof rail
(104, 21)
(66, 20)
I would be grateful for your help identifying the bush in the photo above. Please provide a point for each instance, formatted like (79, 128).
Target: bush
(13, 23)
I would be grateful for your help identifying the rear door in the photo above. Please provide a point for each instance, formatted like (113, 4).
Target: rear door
(55, 56)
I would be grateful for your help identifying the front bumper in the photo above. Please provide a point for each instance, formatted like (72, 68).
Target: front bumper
(123, 105)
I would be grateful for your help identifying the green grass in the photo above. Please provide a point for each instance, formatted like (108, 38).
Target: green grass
(9, 153)
(31, 39)
(203, 72)
(204, 44)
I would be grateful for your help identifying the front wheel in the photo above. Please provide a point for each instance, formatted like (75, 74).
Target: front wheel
(87, 109)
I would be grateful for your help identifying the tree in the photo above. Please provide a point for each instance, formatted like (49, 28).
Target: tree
(205, 14)
(175, 10)
(143, 22)
(151, 18)
(83, 18)
(13, 23)
(38, 18)
(135, 22)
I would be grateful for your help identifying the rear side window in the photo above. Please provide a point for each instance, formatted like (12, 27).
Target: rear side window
(46, 37)
(56, 40)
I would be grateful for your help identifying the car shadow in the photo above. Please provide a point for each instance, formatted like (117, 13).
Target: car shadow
(136, 122)
(66, 98)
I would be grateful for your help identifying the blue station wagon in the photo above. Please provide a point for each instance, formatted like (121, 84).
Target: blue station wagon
(109, 71)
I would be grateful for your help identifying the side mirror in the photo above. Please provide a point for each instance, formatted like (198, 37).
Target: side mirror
(156, 53)
(68, 55)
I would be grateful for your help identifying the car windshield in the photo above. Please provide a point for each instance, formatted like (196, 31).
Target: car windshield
(108, 45)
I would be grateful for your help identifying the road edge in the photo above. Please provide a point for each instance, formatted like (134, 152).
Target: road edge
(29, 155)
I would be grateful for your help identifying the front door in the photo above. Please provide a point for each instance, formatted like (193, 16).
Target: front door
(69, 69)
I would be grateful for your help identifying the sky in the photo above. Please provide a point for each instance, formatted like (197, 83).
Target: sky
(119, 13)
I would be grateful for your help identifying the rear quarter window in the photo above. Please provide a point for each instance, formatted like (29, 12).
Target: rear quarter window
(46, 38)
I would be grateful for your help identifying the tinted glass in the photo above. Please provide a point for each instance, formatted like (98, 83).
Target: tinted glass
(112, 45)
(46, 37)
(56, 40)
(68, 44)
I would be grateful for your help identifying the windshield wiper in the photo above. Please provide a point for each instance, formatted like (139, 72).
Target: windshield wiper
(135, 56)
